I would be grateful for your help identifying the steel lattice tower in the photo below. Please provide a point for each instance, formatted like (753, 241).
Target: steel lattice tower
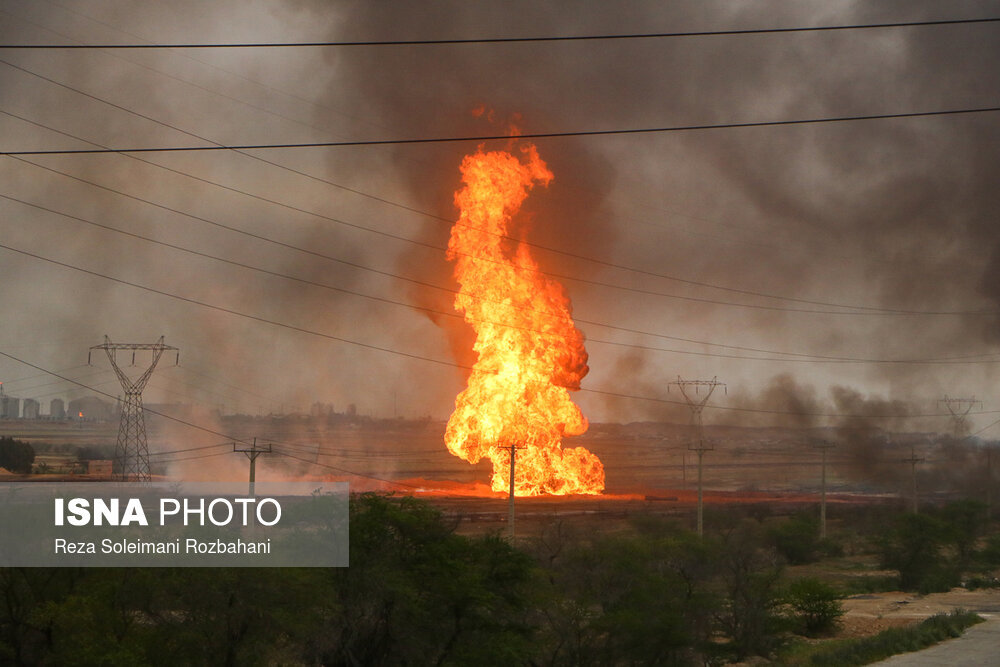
(959, 408)
(132, 451)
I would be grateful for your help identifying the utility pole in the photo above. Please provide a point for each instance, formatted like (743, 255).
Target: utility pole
(252, 453)
(698, 443)
(511, 493)
(989, 480)
(132, 450)
(959, 408)
(913, 461)
(823, 446)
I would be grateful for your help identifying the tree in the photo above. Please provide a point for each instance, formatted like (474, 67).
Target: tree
(815, 605)
(797, 539)
(633, 598)
(416, 593)
(913, 546)
(750, 572)
(16, 456)
(966, 522)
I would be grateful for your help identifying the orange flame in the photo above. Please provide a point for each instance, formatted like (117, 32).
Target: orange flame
(530, 354)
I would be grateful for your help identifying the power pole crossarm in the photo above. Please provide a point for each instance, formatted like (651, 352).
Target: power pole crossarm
(252, 453)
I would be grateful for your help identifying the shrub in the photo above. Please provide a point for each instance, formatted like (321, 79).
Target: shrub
(16, 456)
(796, 539)
(815, 606)
(914, 547)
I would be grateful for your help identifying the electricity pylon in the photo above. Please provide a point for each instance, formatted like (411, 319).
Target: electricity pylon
(132, 450)
(959, 409)
(698, 442)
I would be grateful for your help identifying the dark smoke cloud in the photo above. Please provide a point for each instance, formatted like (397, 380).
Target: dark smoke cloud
(895, 214)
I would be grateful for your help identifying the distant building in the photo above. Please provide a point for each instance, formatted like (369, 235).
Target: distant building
(90, 408)
(321, 409)
(30, 409)
(99, 468)
(10, 407)
(57, 409)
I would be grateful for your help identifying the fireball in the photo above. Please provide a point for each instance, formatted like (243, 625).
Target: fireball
(530, 355)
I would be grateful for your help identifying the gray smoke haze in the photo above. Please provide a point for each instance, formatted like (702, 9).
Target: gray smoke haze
(892, 214)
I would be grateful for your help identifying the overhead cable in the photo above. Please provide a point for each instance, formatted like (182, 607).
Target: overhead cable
(514, 40)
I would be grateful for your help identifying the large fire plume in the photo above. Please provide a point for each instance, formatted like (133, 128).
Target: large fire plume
(530, 354)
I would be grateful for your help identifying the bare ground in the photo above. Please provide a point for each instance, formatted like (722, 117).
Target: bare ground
(870, 614)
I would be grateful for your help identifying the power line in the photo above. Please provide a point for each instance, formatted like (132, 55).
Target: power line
(302, 100)
(417, 357)
(514, 40)
(599, 262)
(191, 449)
(795, 356)
(216, 145)
(111, 396)
(830, 415)
(233, 312)
(191, 425)
(27, 390)
(495, 137)
(39, 375)
(191, 458)
(858, 310)
(345, 471)
(215, 91)
(864, 310)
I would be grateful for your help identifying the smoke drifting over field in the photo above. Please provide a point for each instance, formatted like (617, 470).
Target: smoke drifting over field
(694, 233)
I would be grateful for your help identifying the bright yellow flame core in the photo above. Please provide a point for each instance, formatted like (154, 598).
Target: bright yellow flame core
(530, 354)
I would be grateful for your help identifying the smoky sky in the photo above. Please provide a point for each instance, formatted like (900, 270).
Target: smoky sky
(697, 254)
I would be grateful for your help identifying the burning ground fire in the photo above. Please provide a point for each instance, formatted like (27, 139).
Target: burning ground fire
(530, 354)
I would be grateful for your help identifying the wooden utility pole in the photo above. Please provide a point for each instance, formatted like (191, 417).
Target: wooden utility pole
(511, 493)
(913, 461)
(989, 482)
(252, 453)
(822, 446)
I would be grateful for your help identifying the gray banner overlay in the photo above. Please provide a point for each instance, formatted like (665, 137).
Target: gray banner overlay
(174, 524)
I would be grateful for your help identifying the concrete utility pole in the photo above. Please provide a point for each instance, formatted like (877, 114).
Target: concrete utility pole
(252, 453)
(132, 449)
(510, 495)
(698, 443)
(823, 446)
(913, 461)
